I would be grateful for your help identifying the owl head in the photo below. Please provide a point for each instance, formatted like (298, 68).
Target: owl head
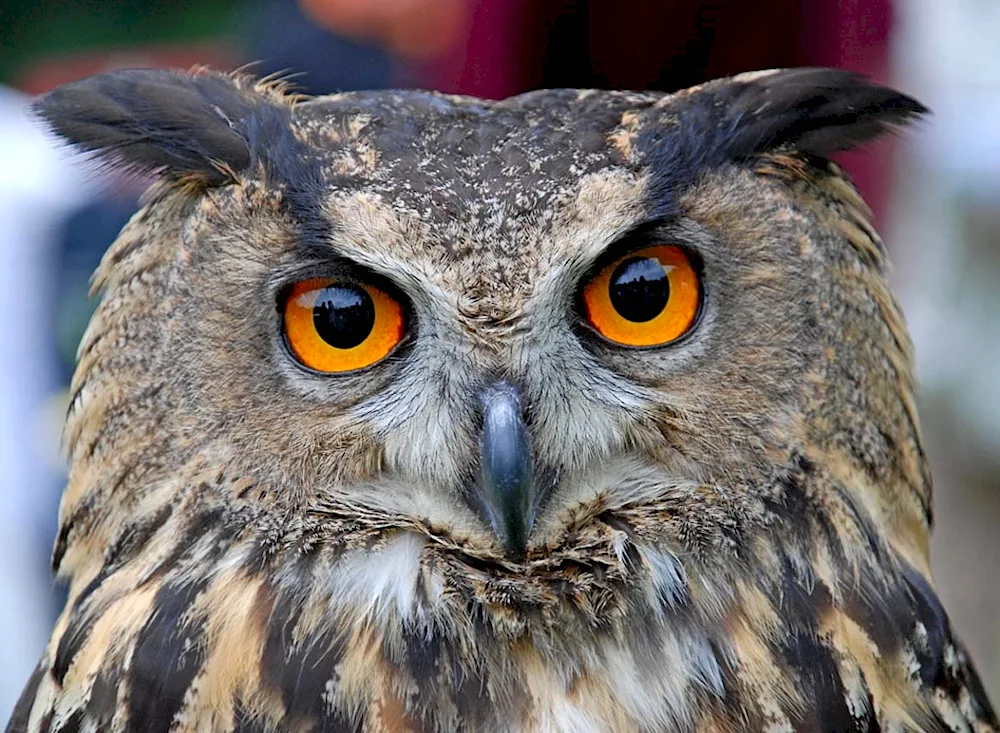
(523, 354)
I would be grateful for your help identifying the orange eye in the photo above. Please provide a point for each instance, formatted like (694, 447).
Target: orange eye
(337, 326)
(646, 298)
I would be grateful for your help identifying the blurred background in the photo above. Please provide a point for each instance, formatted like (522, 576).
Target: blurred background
(935, 192)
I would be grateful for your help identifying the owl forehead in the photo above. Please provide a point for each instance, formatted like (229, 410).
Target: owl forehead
(496, 167)
(481, 198)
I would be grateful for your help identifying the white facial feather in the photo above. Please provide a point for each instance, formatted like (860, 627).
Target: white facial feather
(377, 582)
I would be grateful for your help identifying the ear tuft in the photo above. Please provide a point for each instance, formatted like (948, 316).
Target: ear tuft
(188, 125)
(808, 110)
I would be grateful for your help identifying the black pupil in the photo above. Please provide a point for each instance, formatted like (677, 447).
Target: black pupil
(640, 289)
(344, 315)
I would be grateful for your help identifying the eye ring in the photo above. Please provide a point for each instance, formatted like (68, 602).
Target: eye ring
(333, 325)
(645, 299)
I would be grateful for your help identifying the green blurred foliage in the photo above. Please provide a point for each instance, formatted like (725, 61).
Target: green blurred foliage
(31, 29)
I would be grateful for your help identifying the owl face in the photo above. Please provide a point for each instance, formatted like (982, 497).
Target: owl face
(470, 258)
(517, 330)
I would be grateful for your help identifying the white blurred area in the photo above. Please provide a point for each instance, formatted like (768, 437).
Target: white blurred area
(39, 186)
(944, 236)
(943, 231)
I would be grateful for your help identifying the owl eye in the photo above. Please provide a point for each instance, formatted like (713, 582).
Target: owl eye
(337, 326)
(646, 298)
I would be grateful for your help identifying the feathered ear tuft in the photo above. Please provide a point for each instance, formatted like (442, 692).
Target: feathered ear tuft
(818, 111)
(195, 125)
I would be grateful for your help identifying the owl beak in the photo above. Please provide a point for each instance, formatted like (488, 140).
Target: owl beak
(505, 493)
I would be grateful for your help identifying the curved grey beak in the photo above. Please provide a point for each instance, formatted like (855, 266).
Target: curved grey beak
(506, 491)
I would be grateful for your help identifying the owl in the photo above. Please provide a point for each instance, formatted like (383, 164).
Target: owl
(578, 411)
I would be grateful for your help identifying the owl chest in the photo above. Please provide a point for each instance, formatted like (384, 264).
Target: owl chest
(373, 690)
(524, 687)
